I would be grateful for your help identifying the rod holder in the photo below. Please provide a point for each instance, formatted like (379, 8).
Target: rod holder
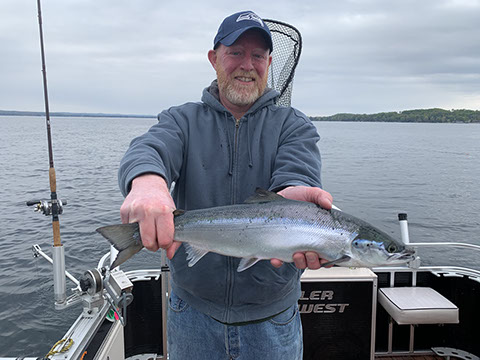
(37, 251)
(402, 218)
(59, 281)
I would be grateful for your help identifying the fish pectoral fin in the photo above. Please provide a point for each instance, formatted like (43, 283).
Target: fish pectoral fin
(336, 261)
(194, 254)
(246, 263)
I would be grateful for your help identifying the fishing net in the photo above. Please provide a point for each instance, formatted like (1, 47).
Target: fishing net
(287, 47)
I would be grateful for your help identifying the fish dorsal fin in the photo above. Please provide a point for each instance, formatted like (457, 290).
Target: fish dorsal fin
(194, 254)
(178, 212)
(263, 196)
(246, 263)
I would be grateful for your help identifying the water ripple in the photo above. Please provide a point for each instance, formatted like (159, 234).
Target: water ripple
(373, 170)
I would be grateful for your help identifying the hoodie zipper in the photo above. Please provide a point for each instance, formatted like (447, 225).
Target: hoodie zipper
(234, 161)
(230, 261)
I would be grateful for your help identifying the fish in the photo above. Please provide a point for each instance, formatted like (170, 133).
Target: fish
(268, 226)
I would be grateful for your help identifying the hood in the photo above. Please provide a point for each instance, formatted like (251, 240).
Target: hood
(211, 97)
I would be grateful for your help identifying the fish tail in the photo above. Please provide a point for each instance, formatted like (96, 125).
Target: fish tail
(125, 238)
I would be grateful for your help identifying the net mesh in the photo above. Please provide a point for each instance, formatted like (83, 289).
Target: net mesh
(287, 47)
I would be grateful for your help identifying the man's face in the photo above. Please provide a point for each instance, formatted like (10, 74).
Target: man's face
(242, 69)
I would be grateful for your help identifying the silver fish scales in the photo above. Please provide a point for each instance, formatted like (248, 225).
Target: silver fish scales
(269, 226)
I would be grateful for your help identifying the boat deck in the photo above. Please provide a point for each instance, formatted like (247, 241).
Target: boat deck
(410, 357)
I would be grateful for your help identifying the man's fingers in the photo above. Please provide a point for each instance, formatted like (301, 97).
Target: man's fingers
(172, 249)
(310, 194)
(124, 212)
(308, 259)
(313, 261)
(276, 262)
(321, 197)
(149, 203)
(299, 260)
(164, 226)
(148, 233)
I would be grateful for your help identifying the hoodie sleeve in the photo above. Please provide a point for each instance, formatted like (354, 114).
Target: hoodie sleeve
(298, 160)
(159, 151)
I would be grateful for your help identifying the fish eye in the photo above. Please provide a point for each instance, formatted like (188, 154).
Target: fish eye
(392, 248)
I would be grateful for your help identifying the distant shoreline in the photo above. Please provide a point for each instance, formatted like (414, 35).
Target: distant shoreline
(408, 116)
(69, 114)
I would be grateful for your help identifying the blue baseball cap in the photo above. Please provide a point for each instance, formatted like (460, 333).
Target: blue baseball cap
(235, 25)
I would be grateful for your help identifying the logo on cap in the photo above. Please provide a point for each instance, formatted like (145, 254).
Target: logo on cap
(250, 16)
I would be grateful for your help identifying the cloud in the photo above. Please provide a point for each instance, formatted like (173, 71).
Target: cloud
(143, 56)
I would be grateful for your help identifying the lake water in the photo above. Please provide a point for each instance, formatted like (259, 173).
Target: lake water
(373, 170)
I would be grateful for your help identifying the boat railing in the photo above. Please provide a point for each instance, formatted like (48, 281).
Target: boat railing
(446, 244)
(445, 270)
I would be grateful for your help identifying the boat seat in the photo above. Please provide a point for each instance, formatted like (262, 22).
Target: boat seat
(417, 305)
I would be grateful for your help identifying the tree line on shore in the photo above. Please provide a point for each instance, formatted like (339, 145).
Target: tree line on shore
(417, 116)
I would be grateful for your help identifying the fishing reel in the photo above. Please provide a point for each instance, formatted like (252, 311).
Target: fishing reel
(117, 285)
(47, 207)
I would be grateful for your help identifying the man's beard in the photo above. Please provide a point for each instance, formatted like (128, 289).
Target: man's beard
(237, 93)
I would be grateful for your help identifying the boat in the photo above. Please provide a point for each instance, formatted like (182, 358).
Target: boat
(345, 312)
(407, 312)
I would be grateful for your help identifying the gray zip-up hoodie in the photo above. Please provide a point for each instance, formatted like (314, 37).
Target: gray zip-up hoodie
(215, 160)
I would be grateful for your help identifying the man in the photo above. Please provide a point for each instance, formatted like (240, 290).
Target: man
(218, 152)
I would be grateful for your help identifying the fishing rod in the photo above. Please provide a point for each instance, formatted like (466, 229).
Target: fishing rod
(54, 207)
(90, 288)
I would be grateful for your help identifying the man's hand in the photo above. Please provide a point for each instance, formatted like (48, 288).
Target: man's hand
(311, 194)
(149, 203)
(317, 196)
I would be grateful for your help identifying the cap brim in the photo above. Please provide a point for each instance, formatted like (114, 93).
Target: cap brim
(231, 38)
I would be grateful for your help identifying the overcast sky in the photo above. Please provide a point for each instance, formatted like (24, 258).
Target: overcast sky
(142, 56)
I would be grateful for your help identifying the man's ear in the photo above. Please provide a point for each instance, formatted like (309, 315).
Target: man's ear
(212, 57)
(270, 60)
